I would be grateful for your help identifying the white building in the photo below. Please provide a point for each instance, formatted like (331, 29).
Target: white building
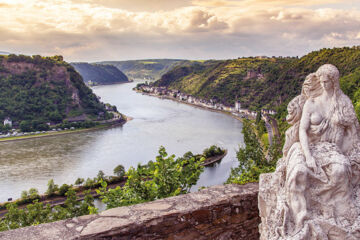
(237, 106)
(272, 112)
(8, 121)
(266, 111)
(190, 99)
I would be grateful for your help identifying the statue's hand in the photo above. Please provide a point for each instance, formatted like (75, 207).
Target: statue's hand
(310, 161)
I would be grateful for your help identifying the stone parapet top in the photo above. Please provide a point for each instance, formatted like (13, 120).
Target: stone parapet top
(210, 212)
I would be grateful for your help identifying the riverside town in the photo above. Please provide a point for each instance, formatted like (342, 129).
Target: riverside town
(211, 104)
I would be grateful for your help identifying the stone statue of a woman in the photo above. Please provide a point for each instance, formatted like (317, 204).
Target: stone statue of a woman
(313, 192)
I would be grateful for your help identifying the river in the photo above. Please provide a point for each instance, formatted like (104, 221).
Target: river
(176, 126)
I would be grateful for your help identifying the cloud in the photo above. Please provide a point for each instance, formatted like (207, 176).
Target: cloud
(138, 5)
(96, 30)
(261, 3)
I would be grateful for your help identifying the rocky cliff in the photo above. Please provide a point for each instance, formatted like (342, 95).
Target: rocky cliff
(44, 89)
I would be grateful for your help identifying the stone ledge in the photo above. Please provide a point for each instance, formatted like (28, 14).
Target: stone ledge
(218, 212)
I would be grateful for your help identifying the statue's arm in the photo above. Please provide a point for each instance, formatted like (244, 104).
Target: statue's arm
(304, 139)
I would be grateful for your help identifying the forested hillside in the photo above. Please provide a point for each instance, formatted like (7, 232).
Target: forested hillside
(245, 78)
(44, 89)
(151, 69)
(263, 82)
(97, 74)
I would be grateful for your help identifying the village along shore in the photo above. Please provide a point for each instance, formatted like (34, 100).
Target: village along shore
(235, 111)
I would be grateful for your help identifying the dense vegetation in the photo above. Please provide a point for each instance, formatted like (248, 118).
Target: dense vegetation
(150, 69)
(164, 177)
(39, 89)
(255, 157)
(258, 83)
(167, 176)
(97, 74)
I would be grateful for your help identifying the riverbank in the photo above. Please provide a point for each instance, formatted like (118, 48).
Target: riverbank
(51, 134)
(193, 104)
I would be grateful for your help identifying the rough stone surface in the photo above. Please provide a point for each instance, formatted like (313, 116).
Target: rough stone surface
(219, 212)
(314, 192)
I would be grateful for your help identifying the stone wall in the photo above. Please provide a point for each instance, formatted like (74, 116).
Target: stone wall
(218, 212)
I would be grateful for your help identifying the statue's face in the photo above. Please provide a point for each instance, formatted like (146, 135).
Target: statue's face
(326, 82)
(292, 111)
(291, 108)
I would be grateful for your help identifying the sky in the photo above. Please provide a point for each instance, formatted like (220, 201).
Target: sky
(97, 30)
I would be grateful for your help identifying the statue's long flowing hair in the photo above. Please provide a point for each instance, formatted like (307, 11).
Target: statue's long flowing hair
(340, 111)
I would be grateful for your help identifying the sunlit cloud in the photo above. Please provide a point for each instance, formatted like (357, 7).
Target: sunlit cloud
(261, 3)
(96, 30)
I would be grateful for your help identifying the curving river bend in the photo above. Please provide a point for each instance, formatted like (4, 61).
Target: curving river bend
(178, 127)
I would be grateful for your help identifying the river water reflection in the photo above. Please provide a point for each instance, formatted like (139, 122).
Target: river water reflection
(178, 127)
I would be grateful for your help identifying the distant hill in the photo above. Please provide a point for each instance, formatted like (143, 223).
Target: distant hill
(4, 53)
(100, 74)
(263, 82)
(44, 89)
(148, 69)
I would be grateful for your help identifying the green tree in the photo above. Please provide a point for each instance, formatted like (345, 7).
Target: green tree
(6, 128)
(55, 116)
(24, 194)
(89, 183)
(261, 128)
(119, 170)
(33, 193)
(25, 126)
(63, 189)
(100, 175)
(79, 181)
(52, 187)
